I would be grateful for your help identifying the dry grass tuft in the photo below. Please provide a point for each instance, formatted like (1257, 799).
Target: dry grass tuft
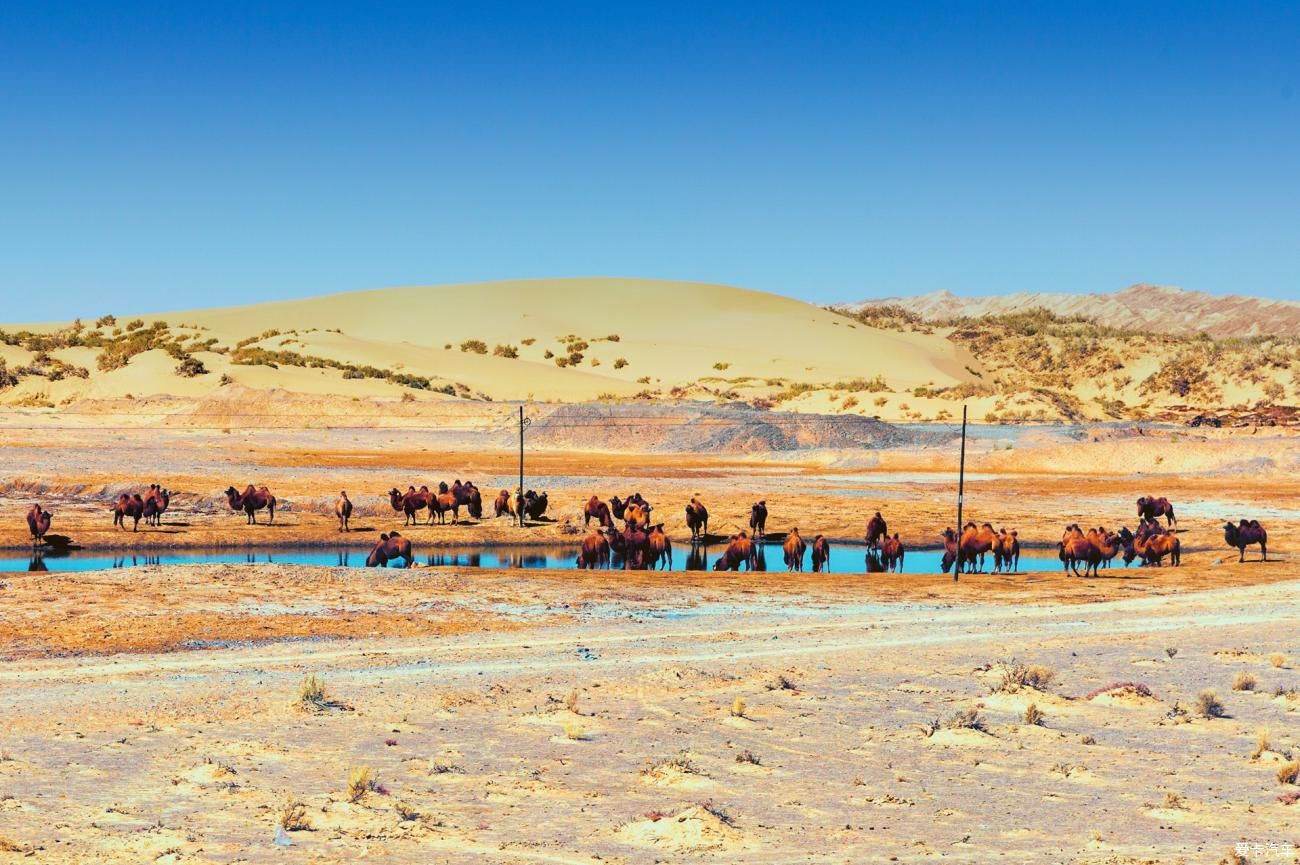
(9, 846)
(966, 719)
(1033, 716)
(724, 817)
(1289, 773)
(1244, 681)
(682, 763)
(1174, 802)
(361, 780)
(738, 708)
(574, 732)
(293, 814)
(571, 702)
(1262, 744)
(405, 811)
(1138, 688)
(782, 683)
(1016, 676)
(748, 757)
(1277, 659)
(312, 696)
(1208, 705)
(1171, 651)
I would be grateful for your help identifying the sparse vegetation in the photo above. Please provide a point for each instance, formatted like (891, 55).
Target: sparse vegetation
(1262, 744)
(1208, 705)
(474, 346)
(574, 732)
(966, 719)
(1244, 681)
(620, 362)
(749, 757)
(1033, 717)
(293, 815)
(1136, 688)
(738, 708)
(1277, 659)
(508, 351)
(191, 367)
(1016, 676)
(361, 780)
(1289, 773)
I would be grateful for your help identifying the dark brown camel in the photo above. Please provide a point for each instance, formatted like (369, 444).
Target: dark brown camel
(410, 502)
(740, 551)
(636, 548)
(131, 506)
(598, 510)
(155, 504)
(1150, 508)
(661, 548)
(821, 555)
(502, 506)
(891, 553)
(697, 519)
(1245, 534)
(1006, 553)
(758, 519)
(442, 503)
(251, 501)
(594, 552)
(38, 523)
(876, 529)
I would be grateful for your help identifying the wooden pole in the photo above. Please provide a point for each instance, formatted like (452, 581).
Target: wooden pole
(961, 491)
(519, 498)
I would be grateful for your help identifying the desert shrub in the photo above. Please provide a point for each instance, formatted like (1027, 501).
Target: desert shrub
(749, 757)
(361, 780)
(293, 815)
(721, 365)
(1262, 744)
(738, 708)
(505, 351)
(1244, 681)
(575, 358)
(561, 362)
(619, 363)
(548, 354)
(1289, 773)
(848, 403)
(529, 341)
(1033, 716)
(1208, 705)
(191, 367)
(475, 346)
(571, 702)
(1277, 659)
(1016, 676)
(613, 337)
(966, 719)
(1137, 688)
(405, 811)
(574, 732)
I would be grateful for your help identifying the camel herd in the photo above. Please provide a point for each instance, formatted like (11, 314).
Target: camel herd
(642, 544)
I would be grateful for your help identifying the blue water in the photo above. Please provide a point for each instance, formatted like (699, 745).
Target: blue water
(845, 558)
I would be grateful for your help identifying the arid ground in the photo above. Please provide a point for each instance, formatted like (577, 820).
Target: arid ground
(153, 714)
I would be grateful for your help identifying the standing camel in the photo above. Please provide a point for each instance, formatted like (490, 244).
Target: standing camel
(38, 521)
(253, 499)
(794, 547)
(343, 510)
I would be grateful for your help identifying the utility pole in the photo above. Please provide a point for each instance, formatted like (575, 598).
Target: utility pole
(519, 496)
(961, 490)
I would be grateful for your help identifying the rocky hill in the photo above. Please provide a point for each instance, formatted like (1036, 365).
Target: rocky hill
(1156, 308)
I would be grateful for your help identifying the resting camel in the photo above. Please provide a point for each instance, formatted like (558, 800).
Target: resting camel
(251, 501)
(876, 529)
(128, 506)
(598, 509)
(1150, 508)
(38, 522)
(1246, 534)
(758, 519)
(343, 510)
(739, 551)
(891, 554)
(1006, 552)
(821, 554)
(661, 548)
(410, 502)
(390, 548)
(502, 506)
(594, 552)
(794, 548)
(697, 519)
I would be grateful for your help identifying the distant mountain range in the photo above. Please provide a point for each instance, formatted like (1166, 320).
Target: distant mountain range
(1159, 308)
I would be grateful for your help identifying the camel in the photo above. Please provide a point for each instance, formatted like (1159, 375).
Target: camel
(533, 505)
(468, 497)
(794, 548)
(891, 554)
(1076, 547)
(661, 548)
(343, 510)
(594, 552)
(1150, 508)
(1246, 534)
(617, 507)
(967, 549)
(758, 519)
(442, 503)
(390, 547)
(410, 502)
(821, 554)
(697, 519)
(155, 504)
(1006, 552)
(876, 529)
(251, 501)
(635, 515)
(1107, 544)
(502, 506)
(1154, 547)
(38, 522)
(636, 548)
(128, 506)
(739, 551)
(598, 509)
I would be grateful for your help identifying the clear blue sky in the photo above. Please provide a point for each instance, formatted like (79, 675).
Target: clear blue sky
(180, 154)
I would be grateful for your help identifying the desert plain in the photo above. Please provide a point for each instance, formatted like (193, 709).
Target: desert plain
(267, 711)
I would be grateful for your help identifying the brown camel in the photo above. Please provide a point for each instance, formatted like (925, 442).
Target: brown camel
(410, 502)
(740, 551)
(876, 529)
(128, 506)
(635, 515)
(442, 503)
(502, 506)
(599, 510)
(594, 552)
(891, 553)
(1075, 548)
(1154, 547)
(1150, 508)
(1006, 552)
(758, 519)
(390, 547)
(697, 519)
(636, 548)
(155, 504)
(38, 523)
(1245, 534)
(250, 501)
(468, 497)
(661, 548)
(794, 548)
(343, 510)
(821, 554)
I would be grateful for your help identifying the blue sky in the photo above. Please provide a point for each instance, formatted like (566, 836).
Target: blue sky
(181, 154)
